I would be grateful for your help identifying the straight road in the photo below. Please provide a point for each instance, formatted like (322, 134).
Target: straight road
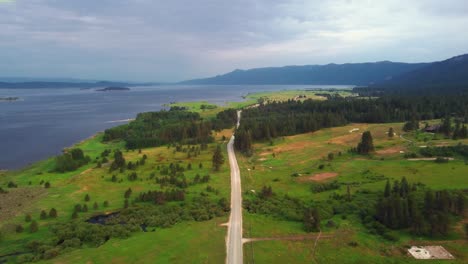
(234, 236)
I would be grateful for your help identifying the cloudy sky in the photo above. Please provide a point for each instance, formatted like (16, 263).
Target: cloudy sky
(160, 40)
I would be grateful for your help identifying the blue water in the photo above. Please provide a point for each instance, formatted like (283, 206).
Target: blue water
(44, 121)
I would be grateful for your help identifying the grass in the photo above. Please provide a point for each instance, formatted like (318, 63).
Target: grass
(68, 189)
(287, 165)
(188, 242)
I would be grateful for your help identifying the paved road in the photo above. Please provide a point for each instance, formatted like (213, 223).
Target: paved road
(234, 237)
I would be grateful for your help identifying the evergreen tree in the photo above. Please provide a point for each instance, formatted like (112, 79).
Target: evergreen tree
(87, 198)
(311, 220)
(74, 215)
(387, 189)
(404, 187)
(218, 158)
(33, 227)
(463, 132)
(366, 145)
(128, 193)
(53, 213)
(95, 206)
(47, 185)
(446, 126)
(28, 218)
(43, 215)
(84, 208)
(391, 132)
(106, 204)
(19, 229)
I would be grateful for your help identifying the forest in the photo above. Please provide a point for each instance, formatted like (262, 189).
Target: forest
(293, 117)
(153, 129)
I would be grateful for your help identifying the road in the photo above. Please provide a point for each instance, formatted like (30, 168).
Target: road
(234, 236)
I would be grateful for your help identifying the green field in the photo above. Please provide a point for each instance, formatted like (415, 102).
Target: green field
(290, 165)
(68, 189)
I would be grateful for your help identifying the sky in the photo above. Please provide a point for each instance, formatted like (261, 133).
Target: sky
(160, 40)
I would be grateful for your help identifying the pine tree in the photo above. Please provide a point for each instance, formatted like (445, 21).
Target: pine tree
(95, 206)
(391, 132)
(43, 215)
(87, 198)
(387, 189)
(19, 229)
(106, 204)
(28, 218)
(446, 126)
(404, 187)
(53, 213)
(33, 227)
(84, 208)
(463, 132)
(218, 158)
(366, 145)
(128, 193)
(74, 215)
(311, 220)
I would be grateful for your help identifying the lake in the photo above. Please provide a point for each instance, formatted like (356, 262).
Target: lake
(44, 121)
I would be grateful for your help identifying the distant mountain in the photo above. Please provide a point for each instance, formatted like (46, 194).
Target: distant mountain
(444, 76)
(83, 85)
(330, 74)
(41, 79)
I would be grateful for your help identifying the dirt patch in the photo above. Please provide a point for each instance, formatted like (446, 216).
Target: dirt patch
(389, 151)
(429, 252)
(346, 139)
(17, 199)
(295, 146)
(318, 177)
(227, 133)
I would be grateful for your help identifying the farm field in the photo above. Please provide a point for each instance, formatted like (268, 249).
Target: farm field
(292, 165)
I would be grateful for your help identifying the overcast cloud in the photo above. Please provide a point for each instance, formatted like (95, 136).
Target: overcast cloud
(152, 40)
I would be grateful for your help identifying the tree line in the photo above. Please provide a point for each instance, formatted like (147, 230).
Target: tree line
(153, 129)
(277, 119)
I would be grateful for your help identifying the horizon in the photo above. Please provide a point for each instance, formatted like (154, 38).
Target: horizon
(158, 41)
(76, 80)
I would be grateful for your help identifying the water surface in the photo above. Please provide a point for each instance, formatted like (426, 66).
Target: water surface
(44, 121)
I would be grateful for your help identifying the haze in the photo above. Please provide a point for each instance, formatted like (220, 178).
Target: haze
(143, 40)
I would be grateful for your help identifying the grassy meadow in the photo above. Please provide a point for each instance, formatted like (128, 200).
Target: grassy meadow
(292, 165)
(70, 188)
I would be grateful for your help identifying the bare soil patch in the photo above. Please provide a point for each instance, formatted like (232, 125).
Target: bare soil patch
(295, 146)
(346, 139)
(318, 177)
(391, 150)
(429, 252)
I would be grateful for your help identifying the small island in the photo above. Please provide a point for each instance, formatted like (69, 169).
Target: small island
(113, 88)
(9, 99)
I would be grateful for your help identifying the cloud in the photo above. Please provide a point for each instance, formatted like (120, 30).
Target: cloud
(175, 40)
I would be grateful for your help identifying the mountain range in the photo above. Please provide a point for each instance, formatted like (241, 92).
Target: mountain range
(362, 74)
(447, 75)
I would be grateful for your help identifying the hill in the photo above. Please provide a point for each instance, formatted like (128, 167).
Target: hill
(331, 74)
(450, 75)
